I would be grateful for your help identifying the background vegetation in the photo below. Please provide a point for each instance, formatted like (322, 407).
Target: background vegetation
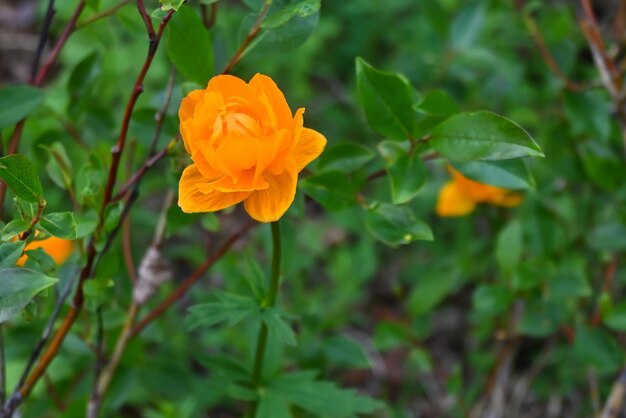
(507, 312)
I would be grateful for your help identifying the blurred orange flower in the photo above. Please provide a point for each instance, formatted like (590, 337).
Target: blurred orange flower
(246, 146)
(460, 196)
(57, 248)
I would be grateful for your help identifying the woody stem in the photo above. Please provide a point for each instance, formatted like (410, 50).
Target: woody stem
(269, 302)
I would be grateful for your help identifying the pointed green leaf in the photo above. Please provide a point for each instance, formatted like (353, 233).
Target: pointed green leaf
(10, 252)
(509, 174)
(17, 288)
(60, 225)
(406, 171)
(20, 175)
(345, 157)
(396, 225)
(16, 102)
(387, 101)
(482, 136)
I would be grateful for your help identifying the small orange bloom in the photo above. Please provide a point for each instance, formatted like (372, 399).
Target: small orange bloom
(57, 248)
(246, 146)
(460, 196)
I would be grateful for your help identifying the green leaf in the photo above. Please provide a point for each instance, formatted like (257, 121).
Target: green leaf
(287, 25)
(189, 46)
(492, 299)
(438, 103)
(112, 215)
(10, 252)
(171, 4)
(60, 225)
(15, 228)
(482, 136)
(571, 279)
(17, 288)
(17, 102)
(509, 246)
(597, 348)
(542, 318)
(508, 174)
(332, 189)
(229, 308)
(345, 157)
(406, 171)
(278, 327)
(395, 225)
(20, 175)
(321, 397)
(615, 317)
(59, 166)
(387, 101)
(430, 290)
(271, 405)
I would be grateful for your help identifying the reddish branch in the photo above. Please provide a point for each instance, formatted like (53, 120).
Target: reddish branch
(79, 298)
(544, 51)
(254, 31)
(180, 291)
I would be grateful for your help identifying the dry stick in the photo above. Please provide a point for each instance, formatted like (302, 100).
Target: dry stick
(208, 18)
(544, 51)
(105, 13)
(191, 280)
(254, 31)
(43, 36)
(116, 152)
(610, 75)
(616, 398)
(594, 391)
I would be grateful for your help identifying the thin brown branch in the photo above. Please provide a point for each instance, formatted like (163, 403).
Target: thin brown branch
(139, 174)
(614, 402)
(209, 17)
(43, 37)
(101, 15)
(254, 31)
(544, 51)
(78, 302)
(180, 291)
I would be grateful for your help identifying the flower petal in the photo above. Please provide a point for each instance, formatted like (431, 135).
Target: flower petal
(270, 204)
(309, 147)
(273, 99)
(453, 202)
(191, 199)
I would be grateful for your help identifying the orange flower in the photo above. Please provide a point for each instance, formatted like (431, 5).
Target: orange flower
(460, 196)
(246, 146)
(57, 248)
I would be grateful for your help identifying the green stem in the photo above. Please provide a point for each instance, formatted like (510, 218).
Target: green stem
(269, 302)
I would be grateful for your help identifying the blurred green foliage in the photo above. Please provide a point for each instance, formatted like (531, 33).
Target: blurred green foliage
(521, 304)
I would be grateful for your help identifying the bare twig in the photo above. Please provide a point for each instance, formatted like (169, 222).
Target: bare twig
(613, 404)
(608, 277)
(43, 36)
(544, 51)
(594, 391)
(208, 18)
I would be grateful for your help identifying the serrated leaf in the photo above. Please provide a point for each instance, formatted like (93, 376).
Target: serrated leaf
(387, 101)
(60, 225)
(17, 102)
(321, 397)
(396, 225)
(278, 327)
(20, 175)
(189, 46)
(482, 136)
(228, 308)
(17, 287)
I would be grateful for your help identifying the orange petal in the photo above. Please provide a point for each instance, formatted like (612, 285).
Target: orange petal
(270, 204)
(273, 100)
(309, 147)
(453, 202)
(191, 199)
(508, 199)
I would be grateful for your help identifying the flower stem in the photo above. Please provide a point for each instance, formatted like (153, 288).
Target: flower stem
(269, 302)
